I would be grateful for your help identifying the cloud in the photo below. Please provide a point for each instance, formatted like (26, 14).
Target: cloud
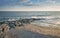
(29, 4)
(24, 1)
(15, 2)
(33, 8)
(51, 1)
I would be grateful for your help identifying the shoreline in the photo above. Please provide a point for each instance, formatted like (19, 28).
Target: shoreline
(44, 30)
(28, 27)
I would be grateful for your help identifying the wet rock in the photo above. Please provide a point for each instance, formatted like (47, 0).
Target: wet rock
(4, 28)
(12, 24)
(1, 34)
(18, 23)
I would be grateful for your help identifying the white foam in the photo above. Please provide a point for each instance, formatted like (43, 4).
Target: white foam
(11, 20)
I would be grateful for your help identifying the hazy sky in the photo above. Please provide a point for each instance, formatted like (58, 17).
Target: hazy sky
(29, 5)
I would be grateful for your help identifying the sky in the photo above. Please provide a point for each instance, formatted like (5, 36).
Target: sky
(29, 5)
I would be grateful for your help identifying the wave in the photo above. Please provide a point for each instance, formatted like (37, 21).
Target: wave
(32, 17)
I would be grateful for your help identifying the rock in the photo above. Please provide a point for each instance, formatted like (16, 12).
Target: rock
(1, 34)
(4, 29)
(12, 24)
(18, 23)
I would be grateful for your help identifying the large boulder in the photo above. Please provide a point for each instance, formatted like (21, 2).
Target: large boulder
(4, 29)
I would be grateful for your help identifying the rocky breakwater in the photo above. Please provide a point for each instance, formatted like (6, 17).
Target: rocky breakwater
(6, 26)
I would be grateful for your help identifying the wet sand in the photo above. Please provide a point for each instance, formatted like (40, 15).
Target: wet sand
(33, 31)
(28, 31)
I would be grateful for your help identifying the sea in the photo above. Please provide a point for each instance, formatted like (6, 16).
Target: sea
(51, 18)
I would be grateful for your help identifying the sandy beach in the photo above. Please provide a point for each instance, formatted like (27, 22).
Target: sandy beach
(29, 31)
(42, 30)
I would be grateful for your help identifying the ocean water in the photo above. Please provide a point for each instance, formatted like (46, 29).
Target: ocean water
(51, 17)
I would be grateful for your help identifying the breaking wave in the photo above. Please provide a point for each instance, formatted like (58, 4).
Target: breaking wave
(35, 17)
